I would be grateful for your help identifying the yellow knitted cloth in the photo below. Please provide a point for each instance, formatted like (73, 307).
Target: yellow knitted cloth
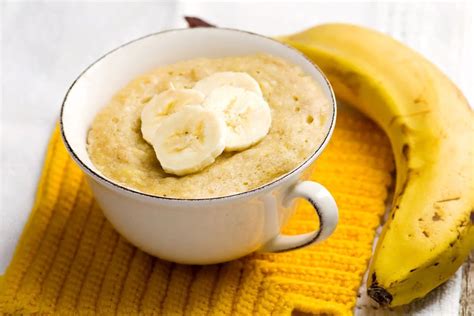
(71, 261)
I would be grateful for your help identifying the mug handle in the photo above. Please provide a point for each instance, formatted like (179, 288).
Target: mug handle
(324, 206)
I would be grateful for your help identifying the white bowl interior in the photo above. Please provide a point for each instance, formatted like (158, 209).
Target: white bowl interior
(97, 84)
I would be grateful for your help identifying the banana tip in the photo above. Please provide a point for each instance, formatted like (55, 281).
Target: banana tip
(379, 294)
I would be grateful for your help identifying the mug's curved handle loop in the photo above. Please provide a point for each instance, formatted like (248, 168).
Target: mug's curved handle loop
(326, 209)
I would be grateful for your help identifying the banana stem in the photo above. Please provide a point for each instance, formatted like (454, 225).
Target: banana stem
(197, 22)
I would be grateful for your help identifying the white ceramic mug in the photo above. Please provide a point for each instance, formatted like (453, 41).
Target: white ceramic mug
(194, 231)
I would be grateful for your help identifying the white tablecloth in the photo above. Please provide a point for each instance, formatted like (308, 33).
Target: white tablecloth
(45, 45)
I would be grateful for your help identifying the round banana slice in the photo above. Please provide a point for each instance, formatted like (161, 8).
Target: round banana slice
(228, 78)
(246, 114)
(189, 140)
(164, 104)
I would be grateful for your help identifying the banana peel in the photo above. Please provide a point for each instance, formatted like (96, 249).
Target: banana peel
(429, 232)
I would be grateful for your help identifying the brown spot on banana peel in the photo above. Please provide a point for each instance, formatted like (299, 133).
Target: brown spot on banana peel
(397, 282)
(405, 151)
(436, 217)
(449, 199)
(410, 172)
(397, 117)
(395, 210)
(419, 100)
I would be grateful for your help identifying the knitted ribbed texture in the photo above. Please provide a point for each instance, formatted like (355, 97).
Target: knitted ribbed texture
(70, 259)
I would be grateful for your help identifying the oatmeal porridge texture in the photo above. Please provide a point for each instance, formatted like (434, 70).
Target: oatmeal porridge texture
(299, 123)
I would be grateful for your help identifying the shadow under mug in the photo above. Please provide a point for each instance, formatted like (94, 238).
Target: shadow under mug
(195, 231)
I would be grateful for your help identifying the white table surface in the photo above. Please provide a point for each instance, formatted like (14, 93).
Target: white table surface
(45, 45)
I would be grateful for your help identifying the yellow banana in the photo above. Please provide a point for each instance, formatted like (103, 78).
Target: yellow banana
(431, 128)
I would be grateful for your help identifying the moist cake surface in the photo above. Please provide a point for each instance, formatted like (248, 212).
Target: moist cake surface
(299, 112)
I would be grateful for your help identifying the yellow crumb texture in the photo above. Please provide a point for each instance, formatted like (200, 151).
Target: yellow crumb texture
(70, 261)
(299, 123)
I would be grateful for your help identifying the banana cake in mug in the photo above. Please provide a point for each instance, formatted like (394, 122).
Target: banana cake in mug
(207, 127)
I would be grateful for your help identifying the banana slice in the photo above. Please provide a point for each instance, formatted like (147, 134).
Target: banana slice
(189, 140)
(164, 104)
(246, 114)
(228, 78)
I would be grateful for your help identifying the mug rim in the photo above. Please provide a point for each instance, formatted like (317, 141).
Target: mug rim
(267, 186)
